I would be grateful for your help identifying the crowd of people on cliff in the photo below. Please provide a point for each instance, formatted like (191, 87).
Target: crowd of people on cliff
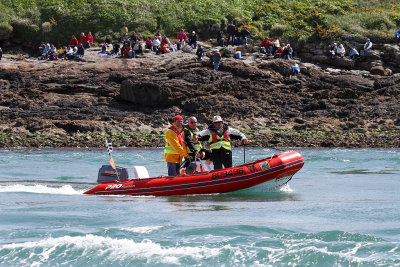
(75, 49)
(133, 44)
(339, 51)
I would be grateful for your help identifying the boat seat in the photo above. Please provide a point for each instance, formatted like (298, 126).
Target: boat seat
(140, 172)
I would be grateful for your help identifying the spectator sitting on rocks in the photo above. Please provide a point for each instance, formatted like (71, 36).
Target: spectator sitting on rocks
(52, 54)
(82, 39)
(275, 44)
(46, 49)
(287, 52)
(89, 40)
(353, 54)
(103, 49)
(176, 46)
(69, 53)
(125, 49)
(163, 48)
(41, 47)
(74, 52)
(45, 52)
(295, 69)
(61, 52)
(266, 46)
(397, 37)
(80, 52)
(74, 41)
(1, 53)
(137, 48)
(341, 51)
(332, 50)
(199, 53)
(107, 41)
(220, 38)
(279, 52)
(367, 47)
(148, 43)
(182, 38)
(193, 40)
(116, 48)
(155, 44)
(166, 42)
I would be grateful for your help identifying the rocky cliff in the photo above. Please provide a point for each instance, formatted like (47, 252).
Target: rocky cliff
(69, 103)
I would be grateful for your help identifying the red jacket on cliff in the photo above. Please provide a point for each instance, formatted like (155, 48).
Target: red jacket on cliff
(89, 38)
(74, 41)
(82, 39)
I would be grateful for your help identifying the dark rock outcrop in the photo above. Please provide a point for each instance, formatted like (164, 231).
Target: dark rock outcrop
(135, 102)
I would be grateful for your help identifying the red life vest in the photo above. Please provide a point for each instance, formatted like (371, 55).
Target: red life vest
(214, 136)
(177, 134)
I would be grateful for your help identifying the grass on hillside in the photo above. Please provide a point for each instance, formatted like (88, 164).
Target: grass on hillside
(56, 20)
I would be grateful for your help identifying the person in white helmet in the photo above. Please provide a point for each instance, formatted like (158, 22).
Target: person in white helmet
(219, 136)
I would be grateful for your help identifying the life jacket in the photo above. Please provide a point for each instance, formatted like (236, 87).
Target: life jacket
(216, 141)
(168, 149)
(197, 145)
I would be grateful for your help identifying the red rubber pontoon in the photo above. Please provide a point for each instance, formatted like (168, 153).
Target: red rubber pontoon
(275, 171)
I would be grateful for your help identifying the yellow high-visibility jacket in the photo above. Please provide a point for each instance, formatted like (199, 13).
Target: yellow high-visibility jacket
(174, 150)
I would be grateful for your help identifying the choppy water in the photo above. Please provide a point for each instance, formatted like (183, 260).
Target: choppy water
(341, 209)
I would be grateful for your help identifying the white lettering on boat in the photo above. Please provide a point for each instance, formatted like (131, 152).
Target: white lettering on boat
(113, 186)
(118, 186)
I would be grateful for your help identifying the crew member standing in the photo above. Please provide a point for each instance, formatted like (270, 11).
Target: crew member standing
(219, 136)
(175, 148)
(192, 144)
(191, 140)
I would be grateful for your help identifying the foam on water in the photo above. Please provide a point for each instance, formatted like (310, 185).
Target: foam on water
(40, 189)
(274, 185)
(277, 249)
(142, 229)
(101, 248)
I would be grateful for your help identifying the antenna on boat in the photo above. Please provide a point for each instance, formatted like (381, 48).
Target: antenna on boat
(110, 149)
(244, 154)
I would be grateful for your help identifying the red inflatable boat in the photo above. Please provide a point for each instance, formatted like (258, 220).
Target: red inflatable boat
(274, 171)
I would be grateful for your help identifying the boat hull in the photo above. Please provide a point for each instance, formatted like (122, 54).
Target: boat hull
(276, 170)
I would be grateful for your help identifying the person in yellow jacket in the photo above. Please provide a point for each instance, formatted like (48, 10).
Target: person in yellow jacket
(175, 148)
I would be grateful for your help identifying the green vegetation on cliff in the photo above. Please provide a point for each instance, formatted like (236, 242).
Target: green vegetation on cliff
(57, 20)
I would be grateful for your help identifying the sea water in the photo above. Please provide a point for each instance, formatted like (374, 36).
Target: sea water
(341, 209)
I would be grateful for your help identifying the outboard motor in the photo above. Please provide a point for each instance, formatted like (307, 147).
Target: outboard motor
(107, 174)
